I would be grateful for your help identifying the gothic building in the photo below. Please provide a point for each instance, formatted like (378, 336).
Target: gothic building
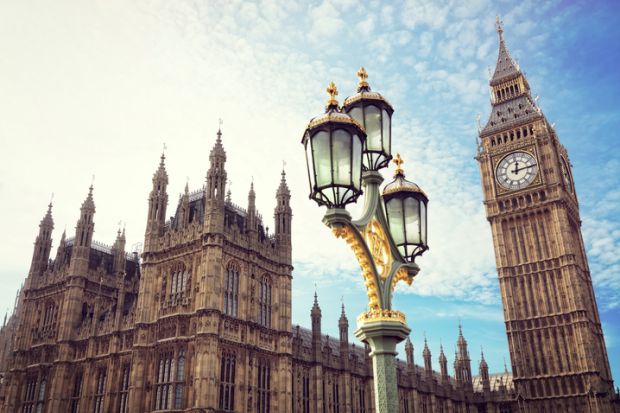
(558, 354)
(201, 321)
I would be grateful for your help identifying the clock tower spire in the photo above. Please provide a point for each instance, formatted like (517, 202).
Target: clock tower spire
(543, 271)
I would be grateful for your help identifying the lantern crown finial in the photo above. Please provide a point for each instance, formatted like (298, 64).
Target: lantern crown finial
(363, 83)
(332, 90)
(399, 162)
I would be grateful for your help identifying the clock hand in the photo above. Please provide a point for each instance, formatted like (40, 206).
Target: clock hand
(525, 167)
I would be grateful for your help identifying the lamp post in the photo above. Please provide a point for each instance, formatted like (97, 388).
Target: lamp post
(345, 149)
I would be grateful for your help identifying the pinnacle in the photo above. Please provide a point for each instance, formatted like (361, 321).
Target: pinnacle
(89, 203)
(47, 219)
(505, 66)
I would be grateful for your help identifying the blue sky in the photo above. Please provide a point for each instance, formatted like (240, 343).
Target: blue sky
(97, 87)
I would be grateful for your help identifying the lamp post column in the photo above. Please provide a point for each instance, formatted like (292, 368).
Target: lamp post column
(383, 335)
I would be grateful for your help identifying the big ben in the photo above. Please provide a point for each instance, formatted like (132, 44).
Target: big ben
(558, 353)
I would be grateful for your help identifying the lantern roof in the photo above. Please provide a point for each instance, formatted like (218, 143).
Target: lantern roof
(333, 113)
(364, 91)
(400, 184)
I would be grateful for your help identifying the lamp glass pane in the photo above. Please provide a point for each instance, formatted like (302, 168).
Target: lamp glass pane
(386, 132)
(322, 161)
(357, 114)
(309, 165)
(357, 162)
(412, 220)
(373, 128)
(395, 220)
(341, 152)
(423, 218)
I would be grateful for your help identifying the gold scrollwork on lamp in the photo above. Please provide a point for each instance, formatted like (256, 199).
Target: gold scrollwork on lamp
(365, 264)
(379, 247)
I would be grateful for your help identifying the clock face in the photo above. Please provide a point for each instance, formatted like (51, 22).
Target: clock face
(566, 175)
(517, 170)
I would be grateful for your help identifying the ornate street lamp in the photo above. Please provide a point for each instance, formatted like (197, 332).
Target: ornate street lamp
(385, 245)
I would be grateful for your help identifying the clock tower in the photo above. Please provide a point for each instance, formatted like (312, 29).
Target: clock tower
(558, 353)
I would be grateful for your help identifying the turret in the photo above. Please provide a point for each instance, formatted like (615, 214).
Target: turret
(60, 252)
(462, 360)
(409, 353)
(184, 218)
(119, 252)
(315, 315)
(83, 235)
(43, 244)
(283, 214)
(158, 201)
(443, 365)
(252, 218)
(215, 190)
(343, 326)
(484, 373)
(216, 175)
(428, 363)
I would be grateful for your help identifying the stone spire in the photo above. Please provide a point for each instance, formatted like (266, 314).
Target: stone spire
(510, 94)
(462, 343)
(443, 365)
(315, 315)
(83, 235)
(43, 243)
(252, 218)
(462, 362)
(484, 372)
(60, 252)
(283, 216)
(505, 68)
(428, 363)
(216, 175)
(409, 352)
(158, 202)
(343, 325)
(119, 252)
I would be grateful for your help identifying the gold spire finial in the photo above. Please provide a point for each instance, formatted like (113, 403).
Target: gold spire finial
(398, 161)
(333, 92)
(362, 75)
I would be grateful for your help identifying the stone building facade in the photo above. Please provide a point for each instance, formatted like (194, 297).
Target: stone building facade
(201, 322)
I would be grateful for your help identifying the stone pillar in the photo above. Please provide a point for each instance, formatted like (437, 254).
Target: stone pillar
(383, 335)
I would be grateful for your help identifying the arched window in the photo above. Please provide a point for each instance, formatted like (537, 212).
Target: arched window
(231, 290)
(264, 301)
(179, 380)
(76, 394)
(305, 392)
(41, 396)
(263, 388)
(179, 284)
(124, 389)
(100, 390)
(163, 387)
(227, 381)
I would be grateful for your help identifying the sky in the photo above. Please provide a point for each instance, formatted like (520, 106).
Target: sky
(95, 88)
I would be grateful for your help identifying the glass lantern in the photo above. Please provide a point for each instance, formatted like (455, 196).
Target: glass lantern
(374, 113)
(406, 207)
(334, 144)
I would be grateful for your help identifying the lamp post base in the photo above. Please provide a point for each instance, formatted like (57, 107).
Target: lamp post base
(382, 336)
